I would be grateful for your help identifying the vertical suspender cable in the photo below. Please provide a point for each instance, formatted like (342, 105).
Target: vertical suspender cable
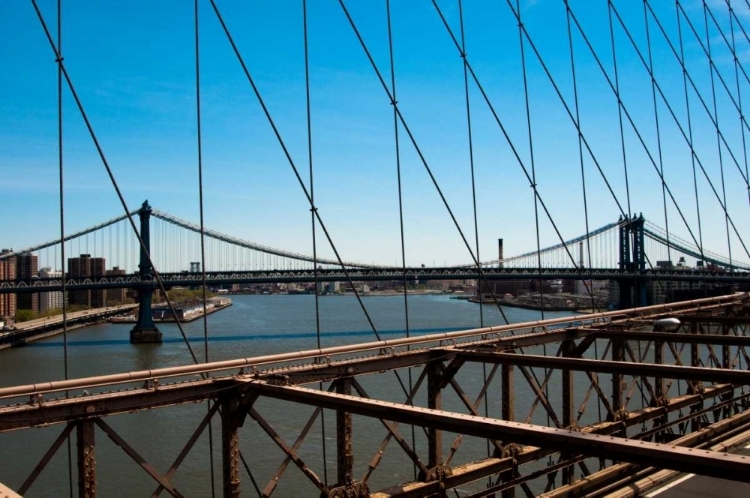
(739, 94)
(583, 171)
(689, 125)
(199, 142)
(712, 68)
(661, 169)
(580, 145)
(62, 221)
(473, 196)
(312, 222)
(400, 197)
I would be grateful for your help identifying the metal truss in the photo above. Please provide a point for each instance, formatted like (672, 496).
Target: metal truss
(682, 411)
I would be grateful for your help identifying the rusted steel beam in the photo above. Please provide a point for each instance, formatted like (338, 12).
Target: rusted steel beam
(393, 432)
(618, 357)
(718, 303)
(704, 437)
(230, 445)
(86, 453)
(344, 449)
(707, 463)
(150, 470)
(738, 377)
(568, 409)
(71, 409)
(188, 446)
(45, 459)
(731, 340)
(434, 402)
(375, 460)
(728, 320)
(288, 451)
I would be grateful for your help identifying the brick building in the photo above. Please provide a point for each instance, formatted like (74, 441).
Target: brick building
(7, 272)
(86, 266)
(27, 266)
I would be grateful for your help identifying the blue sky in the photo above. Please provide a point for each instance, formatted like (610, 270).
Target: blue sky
(132, 64)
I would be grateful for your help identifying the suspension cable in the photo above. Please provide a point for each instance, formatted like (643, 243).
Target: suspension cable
(62, 222)
(199, 143)
(400, 203)
(737, 66)
(312, 222)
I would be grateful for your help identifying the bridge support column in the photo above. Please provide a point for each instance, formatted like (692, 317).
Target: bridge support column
(568, 408)
(145, 330)
(434, 402)
(507, 407)
(86, 450)
(344, 450)
(231, 420)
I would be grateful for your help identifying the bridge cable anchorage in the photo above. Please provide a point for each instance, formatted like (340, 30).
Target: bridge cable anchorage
(397, 146)
(112, 178)
(502, 129)
(293, 165)
(422, 158)
(199, 151)
(669, 108)
(313, 211)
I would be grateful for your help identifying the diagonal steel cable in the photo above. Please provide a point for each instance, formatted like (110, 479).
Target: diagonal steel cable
(296, 172)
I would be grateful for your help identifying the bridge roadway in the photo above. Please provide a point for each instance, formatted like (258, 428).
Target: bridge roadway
(24, 330)
(135, 281)
(693, 486)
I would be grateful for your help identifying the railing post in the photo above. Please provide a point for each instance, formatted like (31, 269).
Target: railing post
(230, 446)
(344, 450)
(434, 402)
(86, 449)
(618, 354)
(508, 398)
(568, 409)
(695, 387)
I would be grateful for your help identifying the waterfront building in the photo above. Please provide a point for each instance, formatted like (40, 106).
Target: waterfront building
(7, 272)
(116, 296)
(86, 266)
(27, 266)
(50, 300)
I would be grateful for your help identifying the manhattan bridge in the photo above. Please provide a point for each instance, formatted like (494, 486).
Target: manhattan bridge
(616, 402)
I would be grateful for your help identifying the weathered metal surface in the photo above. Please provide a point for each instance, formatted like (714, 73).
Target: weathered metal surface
(712, 332)
(711, 463)
(86, 456)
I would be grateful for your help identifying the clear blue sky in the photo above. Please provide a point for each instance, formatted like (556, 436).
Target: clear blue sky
(132, 64)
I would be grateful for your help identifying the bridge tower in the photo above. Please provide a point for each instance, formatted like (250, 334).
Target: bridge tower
(145, 330)
(632, 259)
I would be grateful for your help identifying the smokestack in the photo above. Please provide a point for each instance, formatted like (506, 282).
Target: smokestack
(500, 252)
(580, 254)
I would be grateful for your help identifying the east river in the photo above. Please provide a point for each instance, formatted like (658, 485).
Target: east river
(254, 325)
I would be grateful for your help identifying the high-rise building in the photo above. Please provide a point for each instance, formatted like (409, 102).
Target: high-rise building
(116, 296)
(50, 300)
(86, 266)
(7, 272)
(27, 266)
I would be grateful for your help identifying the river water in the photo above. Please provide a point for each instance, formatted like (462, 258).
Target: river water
(254, 325)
